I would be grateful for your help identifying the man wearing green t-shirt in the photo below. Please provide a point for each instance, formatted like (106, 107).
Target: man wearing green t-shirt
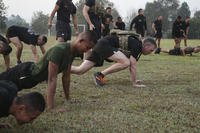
(56, 60)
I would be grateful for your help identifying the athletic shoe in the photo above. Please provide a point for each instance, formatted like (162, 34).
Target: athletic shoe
(157, 51)
(99, 79)
(19, 62)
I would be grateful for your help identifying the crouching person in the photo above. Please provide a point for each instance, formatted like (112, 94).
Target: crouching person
(24, 108)
(57, 59)
(106, 48)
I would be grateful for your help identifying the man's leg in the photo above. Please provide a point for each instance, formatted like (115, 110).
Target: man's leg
(83, 68)
(122, 62)
(185, 41)
(18, 44)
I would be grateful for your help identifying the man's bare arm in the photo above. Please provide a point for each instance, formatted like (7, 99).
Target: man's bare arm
(42, 49)
(35, 54)
(7, 61)
(51, 88)
(52, 16)
(66, 82)
(86, 16)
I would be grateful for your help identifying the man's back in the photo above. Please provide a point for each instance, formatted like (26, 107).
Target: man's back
(60, 55)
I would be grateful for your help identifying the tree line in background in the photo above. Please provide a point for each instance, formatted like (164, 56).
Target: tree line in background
(169, 9)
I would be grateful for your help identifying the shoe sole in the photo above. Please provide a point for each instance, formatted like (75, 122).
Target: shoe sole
(94, 78)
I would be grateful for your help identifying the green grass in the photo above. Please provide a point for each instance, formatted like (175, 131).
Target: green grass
(169, 103)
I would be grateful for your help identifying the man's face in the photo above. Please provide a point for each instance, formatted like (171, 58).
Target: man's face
(141, 12)
(148, 48)
(84, 46)
(160, 18)
(109, 11)
(23, 116)
(187, 20)
(40, 41)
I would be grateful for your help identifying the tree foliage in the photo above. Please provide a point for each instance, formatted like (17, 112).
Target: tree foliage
(2, 16)
(39, 22)
(184, 10)
(16, 20)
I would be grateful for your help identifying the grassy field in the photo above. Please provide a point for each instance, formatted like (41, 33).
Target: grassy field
(169, 103)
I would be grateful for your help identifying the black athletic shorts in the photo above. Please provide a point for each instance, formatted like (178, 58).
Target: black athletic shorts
(20, 75)
(11, 32)
(101, 51)
(141, 32)
(63, 30)
(158, 35)
(175, 51)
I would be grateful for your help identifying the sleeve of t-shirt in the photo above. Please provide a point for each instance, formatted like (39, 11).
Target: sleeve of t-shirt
(73, 9)
(59, 2)
(134, 47)
(90, 3)
(55, 56)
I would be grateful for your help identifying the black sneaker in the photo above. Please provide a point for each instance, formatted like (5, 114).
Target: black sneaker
(19, 62)
(157, 51)
(99, 79)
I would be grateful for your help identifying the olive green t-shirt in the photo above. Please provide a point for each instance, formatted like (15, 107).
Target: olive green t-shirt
(60, 54)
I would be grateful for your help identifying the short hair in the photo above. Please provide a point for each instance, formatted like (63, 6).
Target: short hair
(44, 39)
(140, 10)
(34, 101)
(151, 40)
(6, 48)
(119, 18)
(90, 35)
(179, 17)
(108, 8)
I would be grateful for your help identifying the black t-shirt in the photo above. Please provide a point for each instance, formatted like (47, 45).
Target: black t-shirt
(177, 29)
(107, 18)
(24, 34)
(140, 23)
(93, 11)
(66, 8)
(120, 25)
(8, 91)
(135, 46)
(158, 25)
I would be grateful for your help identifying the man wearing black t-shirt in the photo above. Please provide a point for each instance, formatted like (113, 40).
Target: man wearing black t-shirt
(186, 27)
(17, 35)
(64, 9)
(177, 31)
(120, 24)
(107, 21)
(107, 48)
(24, 108)
(5, 50)
(157, 28)
(91, 12)
(140, 23)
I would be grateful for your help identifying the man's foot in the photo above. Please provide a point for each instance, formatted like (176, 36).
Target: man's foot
(19, 62)
(99, 79)
(157, 51)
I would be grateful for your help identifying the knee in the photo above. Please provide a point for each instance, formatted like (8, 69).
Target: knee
(125, 63)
